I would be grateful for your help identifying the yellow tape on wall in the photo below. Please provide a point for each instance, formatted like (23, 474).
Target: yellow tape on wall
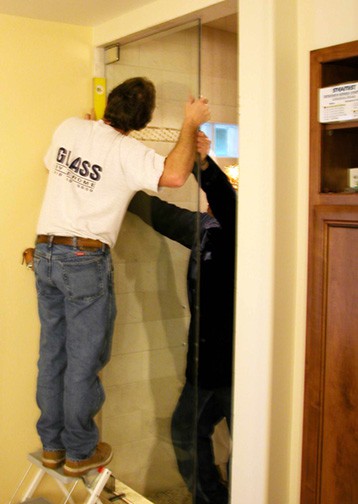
(99, 96)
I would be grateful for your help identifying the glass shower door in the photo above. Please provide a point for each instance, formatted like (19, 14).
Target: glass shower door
(146, 374)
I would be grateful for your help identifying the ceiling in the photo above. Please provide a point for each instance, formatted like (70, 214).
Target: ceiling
(78, 12)
(88, 12)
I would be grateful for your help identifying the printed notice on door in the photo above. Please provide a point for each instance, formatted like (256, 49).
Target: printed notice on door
(338, 103)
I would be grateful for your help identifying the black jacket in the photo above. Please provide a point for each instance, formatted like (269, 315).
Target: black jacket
(212, 308)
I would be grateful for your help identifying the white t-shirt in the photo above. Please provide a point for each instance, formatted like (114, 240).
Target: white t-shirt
(93, 173)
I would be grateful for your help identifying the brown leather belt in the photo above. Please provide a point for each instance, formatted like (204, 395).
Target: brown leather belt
(73, 241)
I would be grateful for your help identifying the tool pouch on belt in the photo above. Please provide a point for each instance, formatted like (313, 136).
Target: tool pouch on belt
(28, 258)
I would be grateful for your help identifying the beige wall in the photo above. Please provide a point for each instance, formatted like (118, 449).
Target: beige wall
(46, 77)
(275, 40)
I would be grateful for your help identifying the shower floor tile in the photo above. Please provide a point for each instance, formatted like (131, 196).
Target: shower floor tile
(172, 496)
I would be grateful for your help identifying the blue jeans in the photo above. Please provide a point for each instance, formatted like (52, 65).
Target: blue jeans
(197, 413)
(77, 309)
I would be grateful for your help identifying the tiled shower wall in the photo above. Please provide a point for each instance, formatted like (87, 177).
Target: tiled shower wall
(145, 375)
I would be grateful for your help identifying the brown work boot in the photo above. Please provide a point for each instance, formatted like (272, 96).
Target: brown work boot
(53, 459)
(101, 457)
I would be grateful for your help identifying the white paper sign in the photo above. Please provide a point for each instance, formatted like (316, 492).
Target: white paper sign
(353, 178)
(338, 103)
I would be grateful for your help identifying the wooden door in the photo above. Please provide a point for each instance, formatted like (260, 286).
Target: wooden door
(330, 444)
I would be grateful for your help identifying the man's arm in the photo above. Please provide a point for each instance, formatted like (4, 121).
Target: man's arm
(176, 223)
(179, 163)
(220, 193)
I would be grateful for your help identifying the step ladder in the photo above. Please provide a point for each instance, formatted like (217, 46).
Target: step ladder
(94, 482)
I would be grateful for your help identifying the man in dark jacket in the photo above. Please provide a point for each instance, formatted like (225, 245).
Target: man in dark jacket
(206, 397)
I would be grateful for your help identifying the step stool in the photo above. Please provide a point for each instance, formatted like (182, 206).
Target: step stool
(94, 482)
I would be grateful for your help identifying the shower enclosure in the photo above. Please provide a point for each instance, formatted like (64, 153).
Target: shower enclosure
(145, 376)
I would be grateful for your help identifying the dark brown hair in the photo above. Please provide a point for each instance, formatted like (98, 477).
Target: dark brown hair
(131, 104)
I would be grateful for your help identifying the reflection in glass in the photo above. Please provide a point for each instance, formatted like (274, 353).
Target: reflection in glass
(224, 138)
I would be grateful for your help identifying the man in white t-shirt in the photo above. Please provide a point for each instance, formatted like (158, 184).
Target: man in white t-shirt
(94, 170)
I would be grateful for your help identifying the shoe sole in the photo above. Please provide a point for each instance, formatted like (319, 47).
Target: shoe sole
(69, 471)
